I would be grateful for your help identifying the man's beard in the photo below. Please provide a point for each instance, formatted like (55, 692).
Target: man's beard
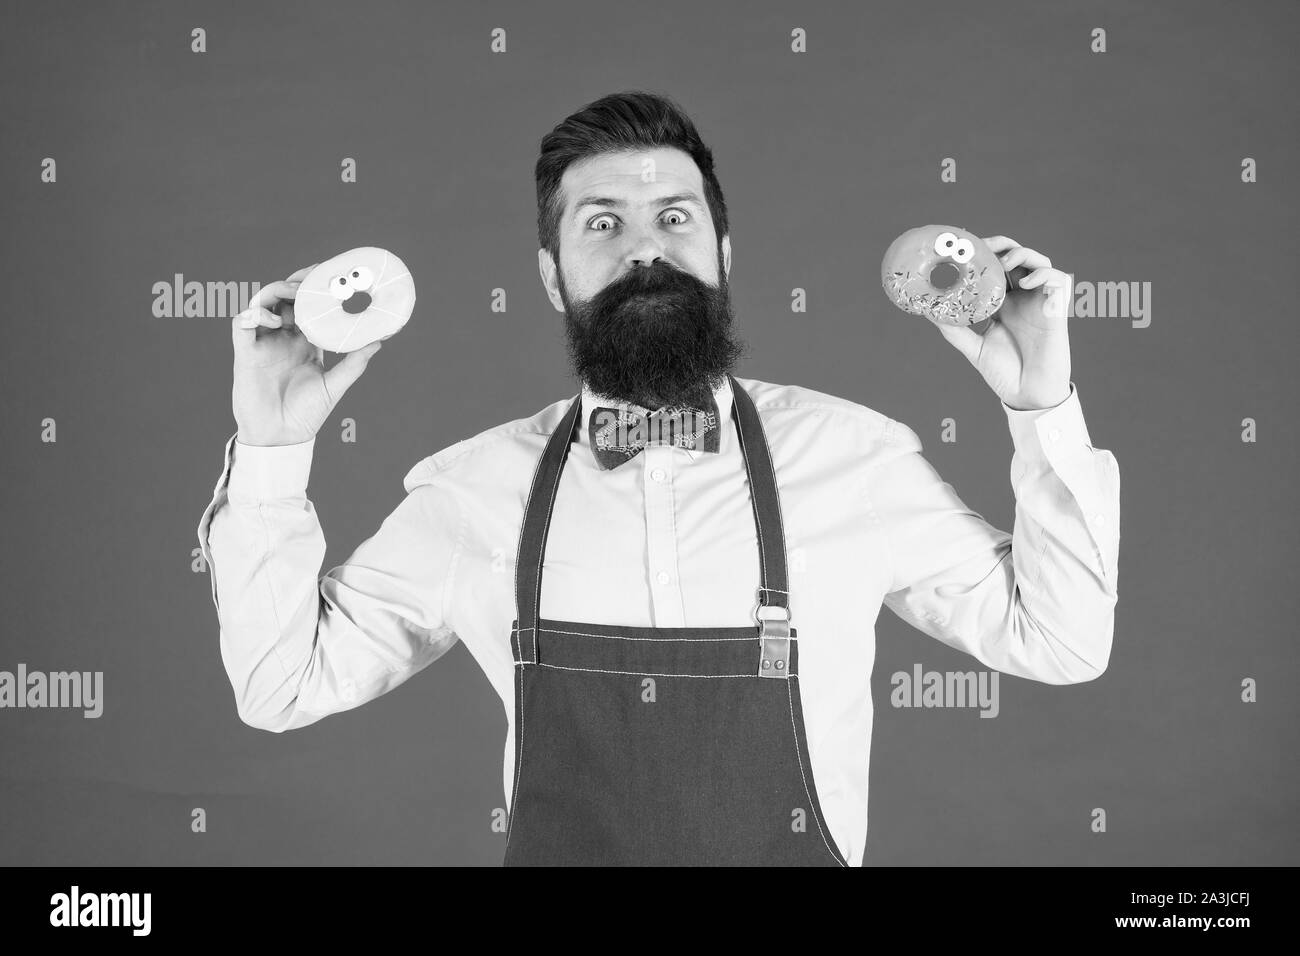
(654, 337)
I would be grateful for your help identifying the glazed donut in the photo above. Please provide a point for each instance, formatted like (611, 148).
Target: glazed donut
(354, 299)
(944, 273)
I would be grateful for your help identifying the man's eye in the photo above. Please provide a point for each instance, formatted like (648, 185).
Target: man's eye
(604, 217)
(679, 213)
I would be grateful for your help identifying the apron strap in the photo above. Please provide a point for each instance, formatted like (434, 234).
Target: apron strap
(537, 518)
(773, 591)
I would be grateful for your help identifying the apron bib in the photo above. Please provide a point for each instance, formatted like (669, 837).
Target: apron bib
(661, 746)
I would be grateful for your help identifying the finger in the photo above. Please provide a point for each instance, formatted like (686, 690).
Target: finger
(964, 339)
(1052, 277)
(271, 295)
(243, 336)
(1058, 286)
(1057, 305)
(244, 326)
(340, 378)
(301, 273)
(1000, 244)
(252, 317)
(1029, 258)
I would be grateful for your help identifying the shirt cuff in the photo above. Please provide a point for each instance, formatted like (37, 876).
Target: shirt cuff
(265, 472)
(1041, 433)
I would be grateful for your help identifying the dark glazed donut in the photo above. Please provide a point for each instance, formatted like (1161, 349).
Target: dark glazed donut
(944, 273)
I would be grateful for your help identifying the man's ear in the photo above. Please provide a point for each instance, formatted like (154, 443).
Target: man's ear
(550, 278)
(726, 255)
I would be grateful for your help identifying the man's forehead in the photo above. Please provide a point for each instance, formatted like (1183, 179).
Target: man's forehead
(632, 174)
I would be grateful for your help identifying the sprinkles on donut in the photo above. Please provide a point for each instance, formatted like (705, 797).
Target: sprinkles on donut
(944, 273)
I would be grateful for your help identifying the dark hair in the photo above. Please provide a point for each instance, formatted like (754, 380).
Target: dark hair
(630, 120)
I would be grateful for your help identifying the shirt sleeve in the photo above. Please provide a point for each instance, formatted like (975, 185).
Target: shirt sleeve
(1037, 603)
(296, 646)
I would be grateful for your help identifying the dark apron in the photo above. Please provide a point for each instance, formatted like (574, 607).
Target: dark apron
(661, 746)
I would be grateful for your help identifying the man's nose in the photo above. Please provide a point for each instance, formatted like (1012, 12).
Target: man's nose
(645, 250)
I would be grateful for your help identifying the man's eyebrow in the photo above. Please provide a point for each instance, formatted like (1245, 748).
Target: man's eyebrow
(613, 203)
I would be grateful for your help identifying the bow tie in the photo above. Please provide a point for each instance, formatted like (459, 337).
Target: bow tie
(619, 434)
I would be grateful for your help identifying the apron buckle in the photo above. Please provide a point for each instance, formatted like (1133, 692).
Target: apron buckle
(773, 639)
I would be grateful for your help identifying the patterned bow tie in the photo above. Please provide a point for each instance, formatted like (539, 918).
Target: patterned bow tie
(619, 434)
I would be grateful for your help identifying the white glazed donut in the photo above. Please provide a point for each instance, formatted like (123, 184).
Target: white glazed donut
(354, 299)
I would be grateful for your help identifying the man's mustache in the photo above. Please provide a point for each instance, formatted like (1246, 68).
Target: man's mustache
(660, 277)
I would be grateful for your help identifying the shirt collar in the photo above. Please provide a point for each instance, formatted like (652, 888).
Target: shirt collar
(721, 395)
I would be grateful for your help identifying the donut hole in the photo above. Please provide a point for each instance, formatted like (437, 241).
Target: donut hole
(944, 275)
(356, 303)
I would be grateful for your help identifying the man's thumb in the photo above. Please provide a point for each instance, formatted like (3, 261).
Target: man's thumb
(348, 369)
(966, 339)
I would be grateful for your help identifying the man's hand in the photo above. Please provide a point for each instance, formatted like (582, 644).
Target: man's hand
(282, 393)
(1024, 353)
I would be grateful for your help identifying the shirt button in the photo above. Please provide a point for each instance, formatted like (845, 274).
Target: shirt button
(1054, 434)
(657, 474)
(1098, 519)
(663, 577)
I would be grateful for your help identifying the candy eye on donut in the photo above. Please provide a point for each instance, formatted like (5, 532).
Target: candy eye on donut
(361, 278)
(945, 243)
(964, 251)
(340, 287)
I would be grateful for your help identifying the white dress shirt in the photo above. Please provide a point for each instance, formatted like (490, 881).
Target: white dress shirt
(667, 539)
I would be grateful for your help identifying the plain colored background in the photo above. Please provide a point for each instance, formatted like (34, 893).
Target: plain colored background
(1123, 166)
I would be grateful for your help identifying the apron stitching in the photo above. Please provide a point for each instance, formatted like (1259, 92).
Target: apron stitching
(594, 670)
(659, 640)
(812, 804)
(519, 756)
